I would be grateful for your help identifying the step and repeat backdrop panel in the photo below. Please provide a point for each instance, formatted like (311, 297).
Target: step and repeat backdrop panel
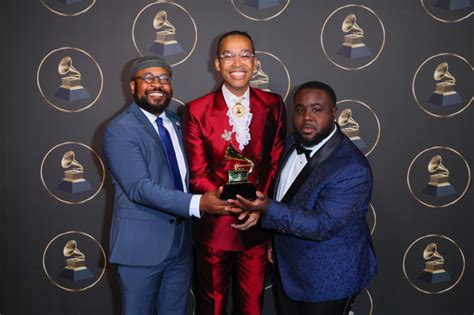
(403, 74)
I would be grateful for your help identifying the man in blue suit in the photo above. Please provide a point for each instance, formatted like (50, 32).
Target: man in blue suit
(150, 238)
(323, 247)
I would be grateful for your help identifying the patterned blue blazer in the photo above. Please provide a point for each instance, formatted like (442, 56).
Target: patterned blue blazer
(322, 242)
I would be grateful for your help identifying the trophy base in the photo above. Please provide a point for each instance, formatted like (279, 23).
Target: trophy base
(262, 4)
(76, 275)
(70, 1)
(353, 52)
(434, 277)
(445, 100)
(359, 143)
(246, 190)
(74, 188)
(452, 5)
(164, 49)
(72, 95)
(439, 191)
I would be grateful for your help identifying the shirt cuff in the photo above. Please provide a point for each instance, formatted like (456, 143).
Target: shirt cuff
(194, 206)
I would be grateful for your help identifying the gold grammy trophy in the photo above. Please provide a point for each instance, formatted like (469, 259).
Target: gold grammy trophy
(445, 93)
(75, 269)
(438, 185)
(434, 266)
(260, 79)
(353, 46)
(73, 181)
(165, 43)
(262, 4)
(70, 88)
(238, 182)
(350, 128)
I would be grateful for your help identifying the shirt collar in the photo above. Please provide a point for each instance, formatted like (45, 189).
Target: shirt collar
(152, 117)
(230, 98)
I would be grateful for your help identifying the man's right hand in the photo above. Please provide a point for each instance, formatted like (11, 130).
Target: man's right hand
(210, 202)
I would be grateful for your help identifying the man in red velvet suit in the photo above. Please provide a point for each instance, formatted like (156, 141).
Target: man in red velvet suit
(254, 123)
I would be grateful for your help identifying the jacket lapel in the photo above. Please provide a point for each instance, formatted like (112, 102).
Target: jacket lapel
(177, 129)
(312, 165)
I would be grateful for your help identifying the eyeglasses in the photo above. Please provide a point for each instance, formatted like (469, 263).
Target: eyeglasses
(149, 78)
(229, 56)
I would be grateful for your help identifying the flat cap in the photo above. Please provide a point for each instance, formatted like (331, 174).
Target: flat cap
(147, 62)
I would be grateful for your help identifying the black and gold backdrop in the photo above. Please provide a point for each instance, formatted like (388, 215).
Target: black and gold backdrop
(403, 74)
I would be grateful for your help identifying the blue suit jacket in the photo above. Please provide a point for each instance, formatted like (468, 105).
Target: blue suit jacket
(323, 246)
(145, 200)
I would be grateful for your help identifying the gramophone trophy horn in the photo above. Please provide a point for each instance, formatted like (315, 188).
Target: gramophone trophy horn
(70, 249)
(345, 118)
(431, 253)
(75, 268)
(350, 25)
(238, 182)
(441, 72)
(260, 79)
(161, 21)
(69, 159)
(65, 66)
(436, 165)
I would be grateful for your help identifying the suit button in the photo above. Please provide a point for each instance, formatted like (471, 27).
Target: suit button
(172, 221)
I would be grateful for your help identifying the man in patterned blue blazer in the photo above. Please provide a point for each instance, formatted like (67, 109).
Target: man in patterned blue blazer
(150, 239)
(323, 247)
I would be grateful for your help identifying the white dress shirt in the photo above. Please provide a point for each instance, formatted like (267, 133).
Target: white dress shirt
(295, 163)
(168, 124)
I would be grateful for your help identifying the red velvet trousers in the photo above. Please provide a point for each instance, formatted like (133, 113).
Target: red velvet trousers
(214, 273)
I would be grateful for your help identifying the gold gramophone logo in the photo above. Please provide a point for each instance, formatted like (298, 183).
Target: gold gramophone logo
(448, 11)
(63, 173)
(260, 79)
(347, 34)
(359, 123)
(434, 271)
(73, 181)
(262, 4)
(430, 177)
(167, 29)
(275, 69)
(350, 127)
(70, 88)
(442, 85)
(433, 264)
(445, 93)
(439, 185)
(75, 269)
(260, 10)
(353, 45)
(74, 261)
(165, 43)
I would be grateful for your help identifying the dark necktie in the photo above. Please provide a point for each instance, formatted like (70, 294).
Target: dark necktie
(166, 139)
(300, 150)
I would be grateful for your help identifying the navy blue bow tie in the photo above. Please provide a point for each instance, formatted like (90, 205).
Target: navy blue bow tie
(300, 150)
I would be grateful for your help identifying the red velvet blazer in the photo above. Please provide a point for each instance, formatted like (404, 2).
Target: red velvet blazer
(205, 121)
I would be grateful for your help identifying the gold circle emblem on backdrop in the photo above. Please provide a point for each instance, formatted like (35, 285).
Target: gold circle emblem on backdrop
(269, 74)
(74, 261)
(269, 8)
(440, 85)
(447, 14)
(358, 125)
(363, 304)
(68, 7)
(69, 80)
(374, 219)
(430, 259)
(435, 179)
(353, 50)
(68, 172)
(166, 42)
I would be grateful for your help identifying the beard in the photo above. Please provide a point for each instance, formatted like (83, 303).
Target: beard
(152, 108)
(317, 139)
